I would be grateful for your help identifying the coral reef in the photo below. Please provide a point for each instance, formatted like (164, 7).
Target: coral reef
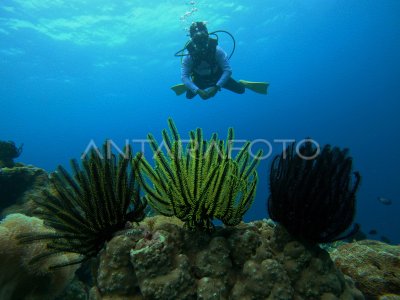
(201, 182)
(313, 198)
(20, 186)
(19, 279)
(89, 207)
(76, 290)
(161, 260)
(8, 152)
(389, 297)
(374, 266)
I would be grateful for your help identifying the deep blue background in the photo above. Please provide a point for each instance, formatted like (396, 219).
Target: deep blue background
(71, 72)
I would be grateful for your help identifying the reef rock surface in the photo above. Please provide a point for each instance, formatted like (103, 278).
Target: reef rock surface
(373, 265)
(19, 187)
(160, 259)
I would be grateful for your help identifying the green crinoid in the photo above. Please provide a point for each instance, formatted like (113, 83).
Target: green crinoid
(201, 182)
(90, 206)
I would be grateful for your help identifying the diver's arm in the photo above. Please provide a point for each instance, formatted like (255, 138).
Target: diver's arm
(186, 71)
(222, 60)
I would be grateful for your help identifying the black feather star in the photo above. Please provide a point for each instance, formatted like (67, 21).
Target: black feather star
(313, 194)
(90, 206)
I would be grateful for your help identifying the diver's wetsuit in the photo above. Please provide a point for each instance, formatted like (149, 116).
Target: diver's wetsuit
(202, 77)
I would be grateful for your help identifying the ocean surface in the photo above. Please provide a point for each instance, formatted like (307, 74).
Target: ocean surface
(74, 73)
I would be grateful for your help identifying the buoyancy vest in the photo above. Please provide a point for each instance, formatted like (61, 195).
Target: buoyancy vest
(208, 56)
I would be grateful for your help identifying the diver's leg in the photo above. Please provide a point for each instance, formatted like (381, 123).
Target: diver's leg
(234, 86)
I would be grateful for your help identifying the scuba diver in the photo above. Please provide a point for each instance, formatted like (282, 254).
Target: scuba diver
(206, 69)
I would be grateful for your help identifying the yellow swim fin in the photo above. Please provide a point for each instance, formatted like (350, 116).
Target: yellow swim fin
(258, 87)
(179, 89)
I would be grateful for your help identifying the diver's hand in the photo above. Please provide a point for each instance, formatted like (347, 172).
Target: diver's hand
(212, 91)
(203, 94)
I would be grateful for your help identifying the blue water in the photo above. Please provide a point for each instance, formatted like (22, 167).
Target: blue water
(76, 71)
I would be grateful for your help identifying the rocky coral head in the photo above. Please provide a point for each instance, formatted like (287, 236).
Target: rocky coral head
(8, 152)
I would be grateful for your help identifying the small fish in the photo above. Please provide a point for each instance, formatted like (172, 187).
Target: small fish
(384, 200)
(373, 232)
(385, 239)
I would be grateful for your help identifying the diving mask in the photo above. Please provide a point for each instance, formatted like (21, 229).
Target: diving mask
(200, 39)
